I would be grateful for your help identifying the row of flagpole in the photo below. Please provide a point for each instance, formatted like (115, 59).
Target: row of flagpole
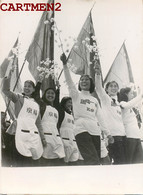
(82, 57)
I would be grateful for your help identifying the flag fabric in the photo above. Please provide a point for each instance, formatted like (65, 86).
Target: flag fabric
(15, 82)
(84, 56)
(120, 70)
(5, 65)
(42, 46)
(79, 57)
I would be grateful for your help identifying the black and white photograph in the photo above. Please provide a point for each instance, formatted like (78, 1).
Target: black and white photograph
(71, 97)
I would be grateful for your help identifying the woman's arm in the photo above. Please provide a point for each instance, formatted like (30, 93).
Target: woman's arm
(71, 86)
(36, 94)
(6, 88)
(57, 97)
(61, 117)
(98, 87)
(131, 103)
(40, 129)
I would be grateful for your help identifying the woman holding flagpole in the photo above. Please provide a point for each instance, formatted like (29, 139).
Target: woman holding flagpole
(27, 127)
(87, 115)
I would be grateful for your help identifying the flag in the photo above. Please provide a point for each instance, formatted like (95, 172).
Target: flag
(5, 65)
(79, 57)
(42, 46)
(84, 56)
(120, 70)
(15, 82)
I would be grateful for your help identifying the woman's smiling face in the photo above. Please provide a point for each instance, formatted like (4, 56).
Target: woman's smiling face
(28, 89)
(112, 89)
(50, 95)
(84, 83)
(68, 104)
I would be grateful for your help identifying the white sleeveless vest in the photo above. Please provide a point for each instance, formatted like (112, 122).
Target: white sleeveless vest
(54, 148)
(67, 135)
(28, 141)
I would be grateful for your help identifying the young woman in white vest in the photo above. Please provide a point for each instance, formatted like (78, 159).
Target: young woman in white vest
(134, 151)
(87, 115)
(66, 127)
(27, 127)
(53, 154)
(112, 115)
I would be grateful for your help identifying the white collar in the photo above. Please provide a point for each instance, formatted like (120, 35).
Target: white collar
(27, 97)
(85, 92)
(115, 97)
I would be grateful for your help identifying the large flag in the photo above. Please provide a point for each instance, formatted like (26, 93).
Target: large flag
(120, 70)
(84, 56)
(15, 82)
(79, 57)
(42, 46)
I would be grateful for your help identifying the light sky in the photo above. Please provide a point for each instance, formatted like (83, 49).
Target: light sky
(114, 21)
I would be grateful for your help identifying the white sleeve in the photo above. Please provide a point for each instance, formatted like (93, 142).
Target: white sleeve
(100, 90)
(71, 86)
(7, 92)
(131, 103)
(100, 117)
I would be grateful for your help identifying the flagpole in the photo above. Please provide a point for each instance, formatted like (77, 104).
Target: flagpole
(91, 68)
(93, 6)
(60, 74)
(52, 37)
(19, 74)
(48, 51)
(128, 63)
(91, 71)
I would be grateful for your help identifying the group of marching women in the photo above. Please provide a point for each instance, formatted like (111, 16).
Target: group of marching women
(78, 130)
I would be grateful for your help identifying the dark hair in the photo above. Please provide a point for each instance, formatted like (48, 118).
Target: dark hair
(63, 103)
(92, 86)
(33, 85)
(123, 94)
(31, 82)
(44, 95)
(64, 100)
(107, 85)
